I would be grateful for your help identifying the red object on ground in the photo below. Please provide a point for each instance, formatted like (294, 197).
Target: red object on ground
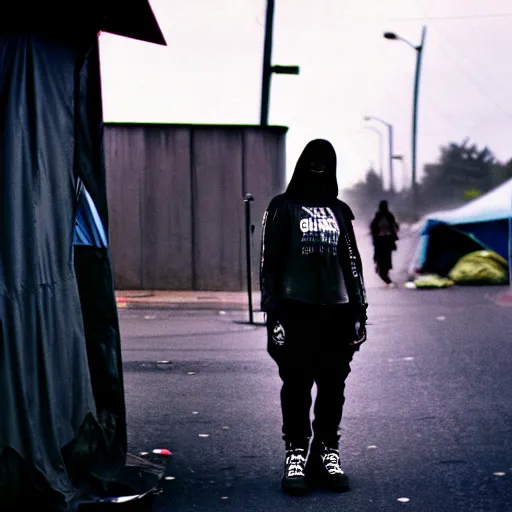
(505, 299)
(162, 451)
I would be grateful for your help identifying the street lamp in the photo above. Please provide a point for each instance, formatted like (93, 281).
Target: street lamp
(419, 52)
(379, 133)
(268, 69)
(390, 139)
(401, 158)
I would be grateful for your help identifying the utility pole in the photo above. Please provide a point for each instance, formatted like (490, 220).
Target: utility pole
(391, 167)
(419, 54)
(268, 69)
(267, 60)
(389, 126)
(381, 157)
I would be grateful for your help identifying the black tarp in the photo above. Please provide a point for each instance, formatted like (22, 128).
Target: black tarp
(50, 113)
(129, 18)
(62, 411)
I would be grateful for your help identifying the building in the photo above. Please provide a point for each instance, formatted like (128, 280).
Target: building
(176, 202)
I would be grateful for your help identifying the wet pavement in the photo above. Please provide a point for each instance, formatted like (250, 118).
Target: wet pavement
(427, 423)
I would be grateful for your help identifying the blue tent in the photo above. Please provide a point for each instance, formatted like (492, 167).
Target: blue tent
(88, 226)
(446, 236)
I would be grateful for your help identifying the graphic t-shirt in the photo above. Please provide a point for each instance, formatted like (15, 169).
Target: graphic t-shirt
(313, 272)
(320, 231)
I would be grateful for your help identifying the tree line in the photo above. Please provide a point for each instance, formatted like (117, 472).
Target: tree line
(463, 172)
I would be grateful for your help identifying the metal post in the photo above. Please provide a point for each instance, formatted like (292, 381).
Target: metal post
(390, 141)
(419, 53)
(267, 64)
(248, 231)
(391, 173)
(381, 152)
(404, 175)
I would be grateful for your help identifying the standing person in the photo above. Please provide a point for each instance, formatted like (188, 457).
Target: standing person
(313, 293)
(384, 229)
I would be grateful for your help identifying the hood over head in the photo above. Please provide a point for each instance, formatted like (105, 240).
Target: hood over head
(383, 206)
(314, 178)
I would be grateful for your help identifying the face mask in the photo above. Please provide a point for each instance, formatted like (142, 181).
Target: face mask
(317, 167)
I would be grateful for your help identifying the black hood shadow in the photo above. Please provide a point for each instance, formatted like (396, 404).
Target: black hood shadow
(311, 187)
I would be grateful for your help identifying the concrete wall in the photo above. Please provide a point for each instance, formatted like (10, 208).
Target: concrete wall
(176, 206)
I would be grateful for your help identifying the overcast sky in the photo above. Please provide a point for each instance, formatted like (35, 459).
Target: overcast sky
(210, 72)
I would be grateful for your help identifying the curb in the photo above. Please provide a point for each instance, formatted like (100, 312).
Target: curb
(217, 306)
(185, 300)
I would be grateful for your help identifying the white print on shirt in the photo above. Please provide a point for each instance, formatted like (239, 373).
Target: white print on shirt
(320, 231)
(263, 229)
(278, 334)
(352, 256)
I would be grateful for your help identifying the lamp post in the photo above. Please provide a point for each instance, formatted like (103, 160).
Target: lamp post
(390, 140)
(401, 158)
(419, 54)
(268, 69)
(379, 133)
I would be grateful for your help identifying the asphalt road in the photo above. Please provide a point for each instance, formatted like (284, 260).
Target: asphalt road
(428, 416)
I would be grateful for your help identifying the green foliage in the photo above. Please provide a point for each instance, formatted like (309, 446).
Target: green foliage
(461, 167)
(463, 171)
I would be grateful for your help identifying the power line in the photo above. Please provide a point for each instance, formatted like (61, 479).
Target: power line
(474, 62)
(460, 17)
(481, 88)
(433, 105)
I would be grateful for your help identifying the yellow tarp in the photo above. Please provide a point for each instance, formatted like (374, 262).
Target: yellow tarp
(432, 281)
(480, 267)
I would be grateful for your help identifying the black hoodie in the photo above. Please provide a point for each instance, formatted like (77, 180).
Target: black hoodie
(309, 252)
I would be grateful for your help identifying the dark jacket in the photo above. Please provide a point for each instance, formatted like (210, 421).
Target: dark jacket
(320, 264)
(391, 223)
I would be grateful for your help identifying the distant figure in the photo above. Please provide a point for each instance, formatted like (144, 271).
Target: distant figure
(313, 293)
(384, 229)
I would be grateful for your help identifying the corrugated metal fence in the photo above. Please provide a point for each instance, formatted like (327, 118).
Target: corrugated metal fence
(176, 210)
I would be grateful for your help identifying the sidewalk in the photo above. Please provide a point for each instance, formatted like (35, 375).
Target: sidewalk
(185, 299)
(239, 301)
(190, 299)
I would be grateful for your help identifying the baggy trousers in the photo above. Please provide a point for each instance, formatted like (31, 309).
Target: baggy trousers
(311, 345)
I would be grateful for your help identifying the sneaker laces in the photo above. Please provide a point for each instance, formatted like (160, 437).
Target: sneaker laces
(295, 463)
(331, 460)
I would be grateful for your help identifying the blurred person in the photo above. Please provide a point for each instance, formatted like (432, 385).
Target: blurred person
(313, 294)
(384, 230)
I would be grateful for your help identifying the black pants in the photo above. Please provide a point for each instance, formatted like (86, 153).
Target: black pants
(310, 345)
(382, 256)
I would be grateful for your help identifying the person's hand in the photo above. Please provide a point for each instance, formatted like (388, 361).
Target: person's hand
(360, 328)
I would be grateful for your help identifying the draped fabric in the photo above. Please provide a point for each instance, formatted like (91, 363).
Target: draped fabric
(62, 418)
